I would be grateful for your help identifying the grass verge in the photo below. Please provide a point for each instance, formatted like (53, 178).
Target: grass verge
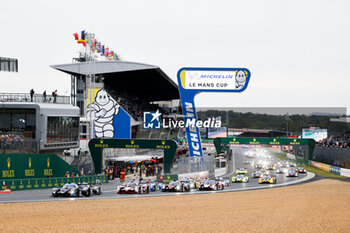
(312, 169)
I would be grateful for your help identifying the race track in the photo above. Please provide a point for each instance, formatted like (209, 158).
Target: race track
(109, 190)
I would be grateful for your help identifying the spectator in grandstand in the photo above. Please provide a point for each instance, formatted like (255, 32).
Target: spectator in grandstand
(340, 141)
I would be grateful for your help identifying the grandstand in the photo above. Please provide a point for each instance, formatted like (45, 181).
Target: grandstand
(135, 86)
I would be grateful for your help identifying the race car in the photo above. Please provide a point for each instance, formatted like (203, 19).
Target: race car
(96, 189)
(264, 171)
(258, 165)
(301, 170)
(240, 179)
(133, 187)
(176, 186)
(209, 184)
(285, 164)
(5, 190)
(225, 182)
(247, 162)
(281, 170)
(85, 189)
(270, 166)
(68, 190)
(242, 171)
(267, 180)
(152, 184)
(191, 183)
(292, 173)
(250, 154)
(257, 174)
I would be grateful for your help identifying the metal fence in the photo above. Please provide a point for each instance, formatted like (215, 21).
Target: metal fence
(84, 164)
(37, 98)
(194, 164)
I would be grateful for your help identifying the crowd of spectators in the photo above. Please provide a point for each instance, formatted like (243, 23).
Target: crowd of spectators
(339, 141)
(11, 141)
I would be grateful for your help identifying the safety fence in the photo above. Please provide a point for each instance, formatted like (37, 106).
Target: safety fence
(44, 183)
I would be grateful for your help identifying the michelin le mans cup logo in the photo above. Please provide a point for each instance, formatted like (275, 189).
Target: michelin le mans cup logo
(215, 79)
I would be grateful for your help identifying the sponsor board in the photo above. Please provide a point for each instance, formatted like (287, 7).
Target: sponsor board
(335, 170)
(168, 178)
(321, 166)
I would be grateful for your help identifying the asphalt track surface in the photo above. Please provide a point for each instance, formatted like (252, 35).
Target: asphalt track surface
(109, 190)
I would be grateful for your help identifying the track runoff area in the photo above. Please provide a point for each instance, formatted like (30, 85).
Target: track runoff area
(243, 158)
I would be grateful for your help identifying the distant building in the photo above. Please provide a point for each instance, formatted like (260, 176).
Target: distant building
(31, 127)
(8, 64)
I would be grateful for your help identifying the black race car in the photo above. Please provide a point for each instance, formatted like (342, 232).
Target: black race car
(96, 189)
(68, 190)
(85, 189)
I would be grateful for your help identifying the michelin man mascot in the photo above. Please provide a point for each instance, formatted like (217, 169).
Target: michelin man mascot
(241, 77)
(102, 112)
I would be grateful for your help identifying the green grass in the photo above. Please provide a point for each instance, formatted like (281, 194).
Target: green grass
(311, 169)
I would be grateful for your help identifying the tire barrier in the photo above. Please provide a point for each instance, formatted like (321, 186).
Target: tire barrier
(44, 183)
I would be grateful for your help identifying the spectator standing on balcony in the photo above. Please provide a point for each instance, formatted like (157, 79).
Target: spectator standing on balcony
(44, 96)
(31, 95)
(54, 94)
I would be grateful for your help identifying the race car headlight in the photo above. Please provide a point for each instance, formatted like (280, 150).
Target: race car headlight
(178, 187)
(71, 191)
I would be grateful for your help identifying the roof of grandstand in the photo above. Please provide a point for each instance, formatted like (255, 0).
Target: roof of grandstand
(144, 81)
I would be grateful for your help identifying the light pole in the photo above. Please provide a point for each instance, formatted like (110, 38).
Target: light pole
(287, 119)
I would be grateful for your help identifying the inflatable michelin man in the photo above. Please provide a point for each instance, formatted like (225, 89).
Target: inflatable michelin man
(241, 77)
(102, 112)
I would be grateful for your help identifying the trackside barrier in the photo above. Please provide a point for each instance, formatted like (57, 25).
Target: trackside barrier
(345, 172)
(43, 183)
(322, 166)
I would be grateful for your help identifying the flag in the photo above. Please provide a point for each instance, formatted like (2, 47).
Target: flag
(82, 39)
(98, 47)
(103, 50)
(76, 36)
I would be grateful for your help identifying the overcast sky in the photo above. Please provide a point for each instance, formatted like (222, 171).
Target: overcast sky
(298, 52)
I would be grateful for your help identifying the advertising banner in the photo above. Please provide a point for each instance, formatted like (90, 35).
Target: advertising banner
(321, 166)
(110, 120)
(196, 80)
(335, 170)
